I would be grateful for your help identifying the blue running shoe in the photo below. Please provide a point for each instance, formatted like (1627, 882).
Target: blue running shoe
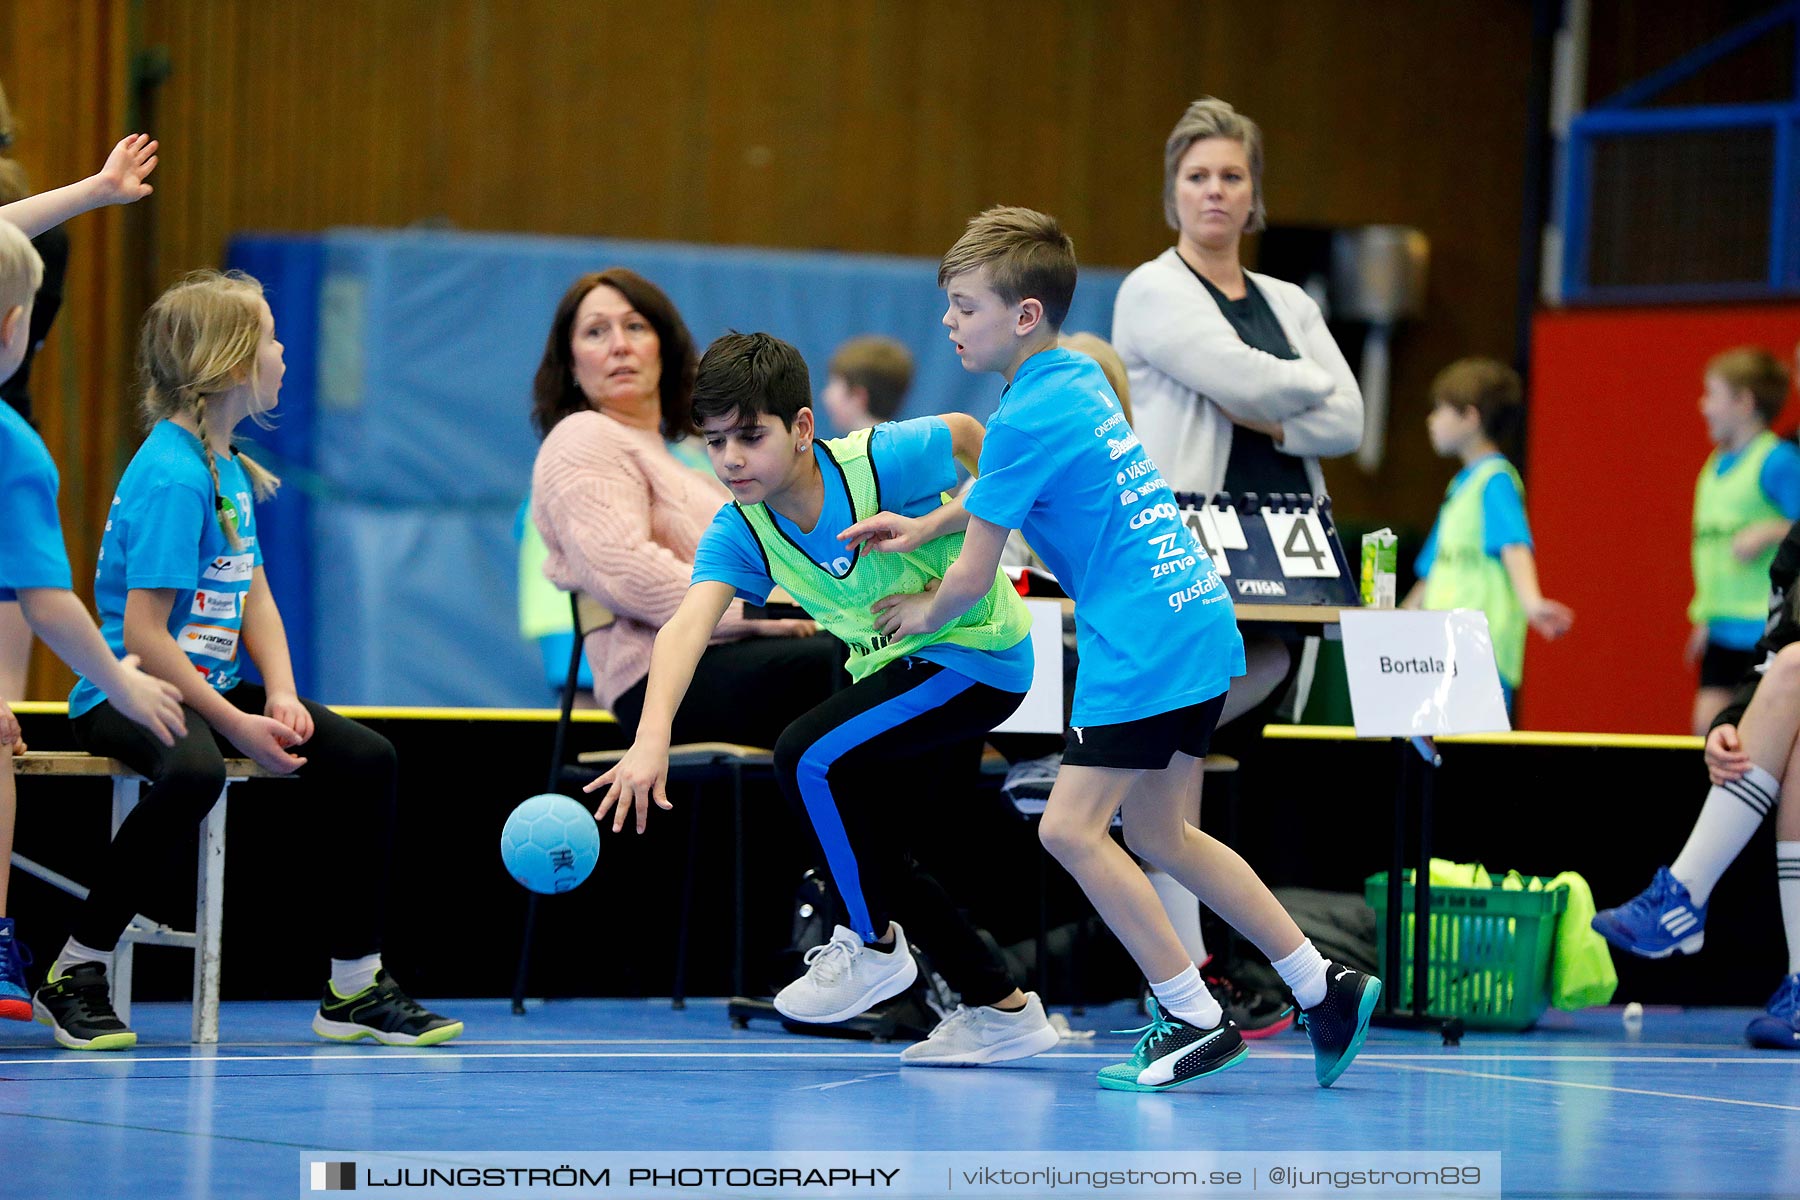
(15, 997)
(1656, 922)
(1779, 1027)
(1339, 1023)
(1172, 1053)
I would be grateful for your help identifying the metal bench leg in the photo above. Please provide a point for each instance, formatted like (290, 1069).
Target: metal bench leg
(209, 918)
(737, 875)
(124, 799)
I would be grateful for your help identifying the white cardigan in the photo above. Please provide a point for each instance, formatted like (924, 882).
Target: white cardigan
(1189, 368)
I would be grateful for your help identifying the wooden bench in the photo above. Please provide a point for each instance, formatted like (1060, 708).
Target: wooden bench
(209, 910)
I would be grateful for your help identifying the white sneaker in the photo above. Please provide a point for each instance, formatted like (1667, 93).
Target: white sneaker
(844, 977)
(970, 1037)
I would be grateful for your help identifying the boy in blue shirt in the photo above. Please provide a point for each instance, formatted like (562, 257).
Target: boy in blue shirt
(1747, 496)
(34, 572)
(861, 763)
(1158, 643)
(1478, 554)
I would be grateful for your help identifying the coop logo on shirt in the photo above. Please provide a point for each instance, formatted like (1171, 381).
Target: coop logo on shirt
(209, 641)
(230, 568)
(215, 605)
(1152, 513)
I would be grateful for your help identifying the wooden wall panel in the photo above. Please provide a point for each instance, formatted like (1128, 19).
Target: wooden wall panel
(64, 66)
(833, 124)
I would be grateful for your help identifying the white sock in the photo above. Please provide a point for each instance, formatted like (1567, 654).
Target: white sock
(1186, 996)
(352, 975)
(1787, 876)
(1183, 910)
(1730, 815)
(1304, 973)
(74, 953)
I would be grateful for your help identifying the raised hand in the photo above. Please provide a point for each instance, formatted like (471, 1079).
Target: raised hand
(121, 180)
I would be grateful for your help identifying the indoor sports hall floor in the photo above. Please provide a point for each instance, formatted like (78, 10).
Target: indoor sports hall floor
(1578, 1108)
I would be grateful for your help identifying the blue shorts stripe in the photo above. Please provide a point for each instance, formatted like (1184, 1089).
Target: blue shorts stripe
(815, 788)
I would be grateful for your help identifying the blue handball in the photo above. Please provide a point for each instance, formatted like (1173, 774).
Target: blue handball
(550, 844)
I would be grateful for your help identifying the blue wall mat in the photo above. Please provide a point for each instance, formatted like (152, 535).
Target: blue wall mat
(420, 437)
(290, 269)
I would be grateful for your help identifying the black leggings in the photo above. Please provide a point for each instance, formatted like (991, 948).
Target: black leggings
(747, 691)
(866, 763)
(350, 776)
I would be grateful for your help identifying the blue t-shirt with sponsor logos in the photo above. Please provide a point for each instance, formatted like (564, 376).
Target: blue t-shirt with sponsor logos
(163, 531)
(31, 541)
(1154, 624)
(914, 466)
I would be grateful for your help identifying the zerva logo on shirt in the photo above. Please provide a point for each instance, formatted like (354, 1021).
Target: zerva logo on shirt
(231, 568)
(216, 605)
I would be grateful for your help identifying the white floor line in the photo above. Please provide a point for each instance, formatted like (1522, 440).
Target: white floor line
(826, 1087)
(372, 1054)
(1592, 1087)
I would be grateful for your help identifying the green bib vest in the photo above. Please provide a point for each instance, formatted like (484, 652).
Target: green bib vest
(1724, 588)
(998, 621)
(1465, 575)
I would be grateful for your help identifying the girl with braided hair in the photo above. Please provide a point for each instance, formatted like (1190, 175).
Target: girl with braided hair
(180, 582)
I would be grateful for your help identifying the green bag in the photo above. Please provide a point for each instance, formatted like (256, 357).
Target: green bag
(1582, 975)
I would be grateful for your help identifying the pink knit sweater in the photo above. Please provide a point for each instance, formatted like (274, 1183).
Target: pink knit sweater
(621, 517)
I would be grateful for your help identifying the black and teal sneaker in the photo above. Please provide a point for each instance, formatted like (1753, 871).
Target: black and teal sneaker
(383, 1012)
(77, 1005)
(1172, 1053)
(1339, 1023)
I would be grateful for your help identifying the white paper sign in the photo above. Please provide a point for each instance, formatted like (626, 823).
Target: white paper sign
(1042, 709)
(1420, 674)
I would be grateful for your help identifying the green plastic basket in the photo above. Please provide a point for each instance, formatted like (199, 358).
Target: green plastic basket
(1490, 948)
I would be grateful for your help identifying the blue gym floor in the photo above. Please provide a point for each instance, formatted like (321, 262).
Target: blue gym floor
(1577, 1108)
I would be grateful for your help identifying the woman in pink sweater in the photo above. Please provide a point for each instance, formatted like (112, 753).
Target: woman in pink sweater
(620, 516)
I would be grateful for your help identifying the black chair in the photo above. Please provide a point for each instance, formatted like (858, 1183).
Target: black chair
(696, 764)
(1215, 766)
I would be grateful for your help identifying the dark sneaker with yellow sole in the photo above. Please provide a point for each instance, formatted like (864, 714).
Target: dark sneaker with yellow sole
(77, 1005)
(383, 1012)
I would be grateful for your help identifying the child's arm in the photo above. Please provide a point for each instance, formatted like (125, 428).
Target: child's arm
(120, 181)
(1548, 617)
(147, 636)
(265, 641)
(1750, 541)
(642, 775)
(58, 616)
(896, 534)
(967, 581)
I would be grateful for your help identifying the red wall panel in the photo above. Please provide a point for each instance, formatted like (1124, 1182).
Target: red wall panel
(1614, 446)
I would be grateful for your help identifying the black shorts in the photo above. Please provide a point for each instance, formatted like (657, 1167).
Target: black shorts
(1148, 743)
(1724, 668)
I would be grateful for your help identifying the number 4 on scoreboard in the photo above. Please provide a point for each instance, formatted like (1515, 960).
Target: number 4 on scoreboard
(1301, 546)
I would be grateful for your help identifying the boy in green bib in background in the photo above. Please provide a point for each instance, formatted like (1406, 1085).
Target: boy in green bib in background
(1479, 552)
(1747, 495)
(874, 756)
